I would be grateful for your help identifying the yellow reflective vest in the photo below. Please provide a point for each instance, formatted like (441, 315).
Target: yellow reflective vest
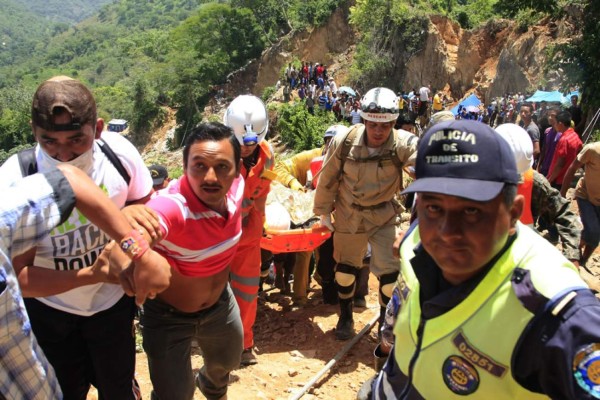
(468, 350)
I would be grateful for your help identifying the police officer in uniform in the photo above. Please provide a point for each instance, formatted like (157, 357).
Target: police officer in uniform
(483, 306)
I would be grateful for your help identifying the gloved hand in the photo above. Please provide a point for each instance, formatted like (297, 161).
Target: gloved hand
(326, 221)
(295, 185)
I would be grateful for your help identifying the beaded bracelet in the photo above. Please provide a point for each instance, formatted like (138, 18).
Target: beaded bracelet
(134, 245)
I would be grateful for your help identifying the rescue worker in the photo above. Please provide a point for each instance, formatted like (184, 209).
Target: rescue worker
(325, 261)
(361, 175)
(540, 198)
(484, 306)
(248, 118)
(295, 173)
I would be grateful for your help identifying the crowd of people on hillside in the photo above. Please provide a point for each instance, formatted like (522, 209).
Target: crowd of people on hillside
(313, 84)
(472, 300)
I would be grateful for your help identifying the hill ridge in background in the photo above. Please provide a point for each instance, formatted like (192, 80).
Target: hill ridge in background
(66, 11)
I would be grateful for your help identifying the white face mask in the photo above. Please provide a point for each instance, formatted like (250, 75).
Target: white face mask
(84, 162)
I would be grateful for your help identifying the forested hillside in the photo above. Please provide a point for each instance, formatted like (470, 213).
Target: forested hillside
(140, 55)
(67, 11)
(20, 31)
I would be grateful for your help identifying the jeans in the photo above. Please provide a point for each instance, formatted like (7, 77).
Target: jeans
(168, 333)
(590, 218)
(98, 349)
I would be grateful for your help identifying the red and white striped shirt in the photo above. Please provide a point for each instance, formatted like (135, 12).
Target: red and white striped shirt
(197, 241)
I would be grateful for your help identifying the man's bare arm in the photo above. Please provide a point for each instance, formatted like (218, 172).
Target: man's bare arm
(152, 272)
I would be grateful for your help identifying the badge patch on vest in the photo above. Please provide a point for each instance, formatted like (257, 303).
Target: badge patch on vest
(586, 369)
(460, 376)
(477, 357)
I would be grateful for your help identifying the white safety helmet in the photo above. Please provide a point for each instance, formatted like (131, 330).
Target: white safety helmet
(248, 117)
(334, 130)
(441, 116)
(379, 105)
(520, 143)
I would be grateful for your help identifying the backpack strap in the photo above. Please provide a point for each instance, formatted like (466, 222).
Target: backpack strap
(110, 154)
(346, 146)
(28, 163)
(393, 155)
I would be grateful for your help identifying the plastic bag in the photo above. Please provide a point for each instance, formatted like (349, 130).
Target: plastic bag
(298, 204)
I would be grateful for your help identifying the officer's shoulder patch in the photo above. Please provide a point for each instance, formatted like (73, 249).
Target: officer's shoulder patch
(586, 369)
(460, 376)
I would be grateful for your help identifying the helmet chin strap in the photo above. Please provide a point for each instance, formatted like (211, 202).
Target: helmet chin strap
(250, 137)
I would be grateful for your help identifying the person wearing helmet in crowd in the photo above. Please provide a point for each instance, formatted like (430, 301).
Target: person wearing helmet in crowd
(248, 118)
(361, 175)
(541, 199)
(326, 262)
(297, 173)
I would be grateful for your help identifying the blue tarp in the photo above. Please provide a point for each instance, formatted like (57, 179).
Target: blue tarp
(472, 100)
(550, 97)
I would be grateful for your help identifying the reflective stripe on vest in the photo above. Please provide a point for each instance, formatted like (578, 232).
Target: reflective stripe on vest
(526, 189)
(468, 349)
(256, 179)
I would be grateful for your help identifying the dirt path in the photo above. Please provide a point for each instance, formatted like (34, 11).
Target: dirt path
(293, 345)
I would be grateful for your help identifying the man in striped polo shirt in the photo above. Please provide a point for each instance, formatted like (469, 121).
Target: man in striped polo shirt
(199, 220)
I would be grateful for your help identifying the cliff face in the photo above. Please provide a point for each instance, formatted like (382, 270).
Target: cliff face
(491, 60)
(324, 44)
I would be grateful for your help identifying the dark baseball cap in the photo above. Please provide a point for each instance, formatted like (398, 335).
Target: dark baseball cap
(158, 173)
(463, 158)
(60, 94)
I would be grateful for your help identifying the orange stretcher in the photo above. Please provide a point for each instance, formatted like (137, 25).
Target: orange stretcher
(293, 240)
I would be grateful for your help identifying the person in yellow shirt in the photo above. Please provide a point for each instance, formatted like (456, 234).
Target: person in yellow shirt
(295, 174)
(401, 101)
(437, 102)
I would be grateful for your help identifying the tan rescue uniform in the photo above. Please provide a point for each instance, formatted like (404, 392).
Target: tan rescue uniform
(367, 184)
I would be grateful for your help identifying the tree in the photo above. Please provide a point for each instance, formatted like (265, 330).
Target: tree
(510, 8)
(217, 40)
(579, 59)
(392, 34)
(15, 113)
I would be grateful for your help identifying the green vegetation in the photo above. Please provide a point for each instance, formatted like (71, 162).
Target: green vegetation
(579, 58)
(299, 129)
(139, 55)
(20, 30)
(279, 17)
(392, 34)
(67, 11)
(206, 47)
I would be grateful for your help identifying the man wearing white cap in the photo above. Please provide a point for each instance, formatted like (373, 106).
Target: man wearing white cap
(360, 177)
(333, 85)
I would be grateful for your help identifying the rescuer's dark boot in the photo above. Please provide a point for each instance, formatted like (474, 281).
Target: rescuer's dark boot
(344, 329)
